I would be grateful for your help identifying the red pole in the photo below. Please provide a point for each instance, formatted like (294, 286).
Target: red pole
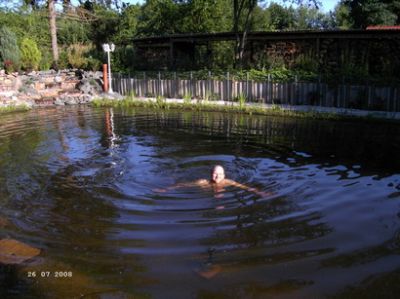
(105, 78)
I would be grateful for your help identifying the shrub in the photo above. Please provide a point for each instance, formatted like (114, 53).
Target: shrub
(76, 54)
(63, 59)
(47, 59)
(9, 51)
(30, 54)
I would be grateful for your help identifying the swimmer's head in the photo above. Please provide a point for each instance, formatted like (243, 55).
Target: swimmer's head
(217, 174)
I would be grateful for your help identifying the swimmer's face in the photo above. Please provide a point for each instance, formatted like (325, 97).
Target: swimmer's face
(218, 174)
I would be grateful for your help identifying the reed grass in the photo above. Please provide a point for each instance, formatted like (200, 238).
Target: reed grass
(241, 108)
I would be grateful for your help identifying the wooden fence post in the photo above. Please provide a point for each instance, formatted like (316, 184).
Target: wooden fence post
(247, 85)
(227, 86)
(145, 84)
(319, 97)
(158, 88)
(209, 92)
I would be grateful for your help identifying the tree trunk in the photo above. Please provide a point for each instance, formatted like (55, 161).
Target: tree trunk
(239, 7)
(53, 30)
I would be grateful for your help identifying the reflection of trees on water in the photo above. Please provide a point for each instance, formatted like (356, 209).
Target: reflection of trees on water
(60, 204)
(335, 142)
(82, 194)
(389, 248)
(385, 285)
(267, 225)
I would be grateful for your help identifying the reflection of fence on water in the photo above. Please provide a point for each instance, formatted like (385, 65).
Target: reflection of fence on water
(341, 95)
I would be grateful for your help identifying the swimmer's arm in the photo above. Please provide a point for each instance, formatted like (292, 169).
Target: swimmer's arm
(247, 188)
(182, 185)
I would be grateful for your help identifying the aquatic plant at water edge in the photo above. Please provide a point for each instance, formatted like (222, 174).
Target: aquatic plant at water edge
(161, 102)
(241, 99)
(187, 98)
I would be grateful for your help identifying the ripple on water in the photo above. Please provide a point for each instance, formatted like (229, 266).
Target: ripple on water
(81, 183)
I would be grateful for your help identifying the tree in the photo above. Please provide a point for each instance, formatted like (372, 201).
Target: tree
(311, 18)
(127, 23)
(159, 17)
(342, 16)
(363, 13)
(53, 30)
(242, 17)
(206, 15)
(281, 17)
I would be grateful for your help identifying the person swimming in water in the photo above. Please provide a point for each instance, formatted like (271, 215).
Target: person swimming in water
(217, 181)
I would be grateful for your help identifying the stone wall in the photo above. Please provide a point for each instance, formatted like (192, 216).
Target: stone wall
(45, 88)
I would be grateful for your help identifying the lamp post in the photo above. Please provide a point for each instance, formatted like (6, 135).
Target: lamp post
(109, 48)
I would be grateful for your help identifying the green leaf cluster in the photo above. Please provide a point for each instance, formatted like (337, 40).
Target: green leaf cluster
(364, 13)
(30, 54)
(9, 50)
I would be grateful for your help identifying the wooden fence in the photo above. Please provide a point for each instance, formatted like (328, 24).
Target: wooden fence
(366, 97)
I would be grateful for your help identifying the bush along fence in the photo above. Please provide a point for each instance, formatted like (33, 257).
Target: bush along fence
(340, 94)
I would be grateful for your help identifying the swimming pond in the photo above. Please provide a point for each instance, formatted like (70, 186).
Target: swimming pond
(81, 184)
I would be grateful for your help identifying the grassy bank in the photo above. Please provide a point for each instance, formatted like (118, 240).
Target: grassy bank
(234, 107)
(14, 108)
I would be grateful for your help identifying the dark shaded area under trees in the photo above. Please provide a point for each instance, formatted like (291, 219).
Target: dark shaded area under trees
(84, 26)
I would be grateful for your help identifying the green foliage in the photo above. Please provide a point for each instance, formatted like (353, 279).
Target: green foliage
(241, 99)
(161, 102)
(274, 109)
(342, 16)
(363, 13)
(62, 60)
(311, 18)
(9, 51)
(30, 54)
(127, 23)
(306, 63)
(159, 17)
(76, 55)
(14, 108)
(79, 56)
(187, 98)
(72, 32)
(280, 18)
(280, 74)
(124, 59)
(105, 26)
(47, 59)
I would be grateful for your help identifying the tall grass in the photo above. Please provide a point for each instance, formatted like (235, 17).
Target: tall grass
(14, 108)
(274, 110)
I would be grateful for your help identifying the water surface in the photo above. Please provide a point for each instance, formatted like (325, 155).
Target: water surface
(79, 183)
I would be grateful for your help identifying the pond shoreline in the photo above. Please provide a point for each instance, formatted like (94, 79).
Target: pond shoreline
(304, 111)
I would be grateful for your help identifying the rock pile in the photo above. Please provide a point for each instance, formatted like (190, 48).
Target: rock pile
(45, 88)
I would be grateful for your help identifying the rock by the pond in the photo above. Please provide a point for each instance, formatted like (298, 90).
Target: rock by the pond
(16, 252)
(111, 96)
(90, 86)
(44, 88)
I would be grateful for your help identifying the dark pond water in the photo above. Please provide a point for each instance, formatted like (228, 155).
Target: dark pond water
(79, 182)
